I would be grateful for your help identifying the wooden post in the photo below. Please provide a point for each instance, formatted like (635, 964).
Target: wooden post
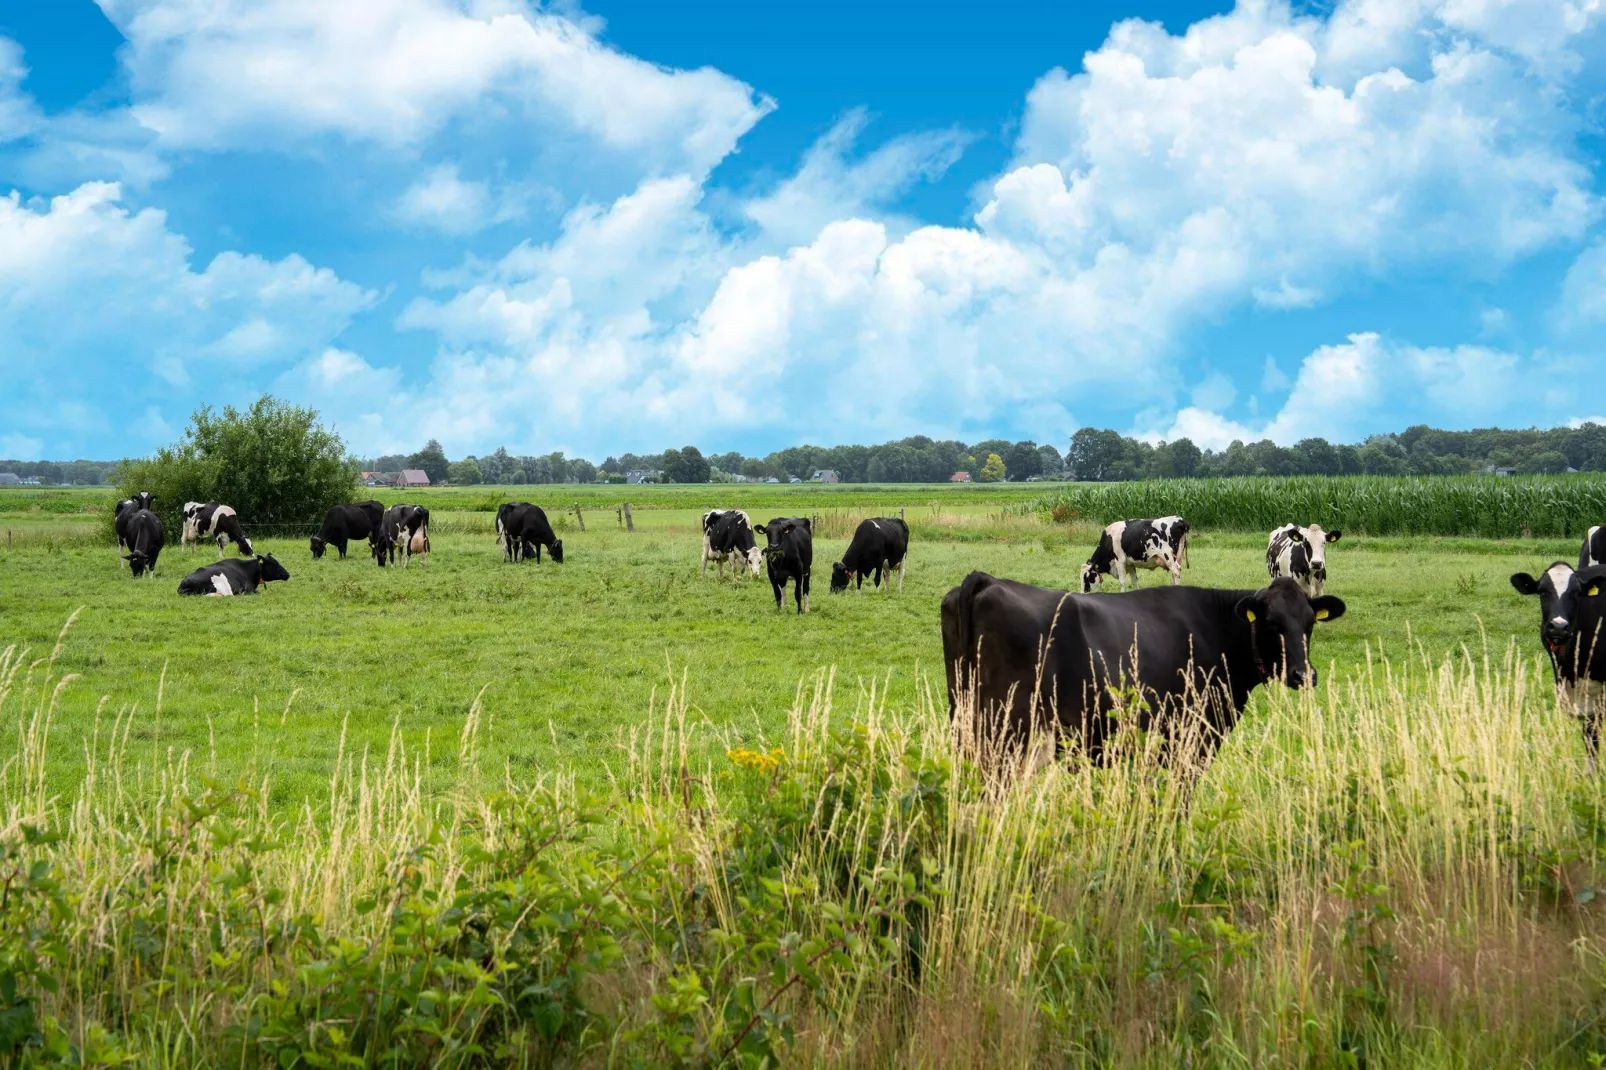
(630, 525)
(579, 516)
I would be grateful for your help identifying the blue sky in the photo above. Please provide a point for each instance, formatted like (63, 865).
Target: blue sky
(624, 226)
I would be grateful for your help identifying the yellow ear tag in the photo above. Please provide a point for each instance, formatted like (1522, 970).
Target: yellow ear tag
(1322, 614)
(1250, 614)
(1593, 591)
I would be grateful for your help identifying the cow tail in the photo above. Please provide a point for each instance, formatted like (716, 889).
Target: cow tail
(969, 656)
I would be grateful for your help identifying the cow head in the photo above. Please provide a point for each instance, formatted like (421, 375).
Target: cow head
(557, 550)
(190, 509)
(1316, 540)
(318, 548)
(1558, 592)
(755, 558)
(143, 499)
(1280, 618)
(138, 562)
(272, 570)
(1092, 576)
(382, 544)
(840, 578)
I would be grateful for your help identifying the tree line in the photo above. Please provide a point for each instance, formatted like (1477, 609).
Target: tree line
(1093, 454)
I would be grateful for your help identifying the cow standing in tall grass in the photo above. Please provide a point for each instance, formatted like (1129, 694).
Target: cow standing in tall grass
(1572, 627)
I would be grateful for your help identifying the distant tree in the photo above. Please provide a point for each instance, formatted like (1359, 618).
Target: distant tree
(274, 463)
(686, 465)
(727, 462)
(1053, 464)
(1096, 455)
(1187, 460)
(1550, 462)
(431, 460)
(465, 473)
(1023, 461)
(993, 471)
(582, 471)
(753, 468)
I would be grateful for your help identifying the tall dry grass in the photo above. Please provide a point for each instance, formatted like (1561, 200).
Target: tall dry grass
(1397, 869)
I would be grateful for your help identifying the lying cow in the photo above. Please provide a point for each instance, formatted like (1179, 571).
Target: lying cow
(344, 523)
(125, 513)
(143, 535)
(225, 579)
(1301, 554)
(728, 536)
(790, 557)
(1031, 658)
(404, 529)
(1572, 627)
(211, 520)
(522, 529)
(1128, 545)
(880, 545)
(1594, 551)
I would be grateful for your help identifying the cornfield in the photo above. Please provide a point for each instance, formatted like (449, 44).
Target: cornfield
(1483, 506)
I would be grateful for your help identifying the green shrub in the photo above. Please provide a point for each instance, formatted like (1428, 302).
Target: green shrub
(274, 463)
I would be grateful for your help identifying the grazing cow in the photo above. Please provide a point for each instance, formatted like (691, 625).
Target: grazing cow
(144, 538)
(211, 520)
(343, 523)
(125, 512)
(396, 532)
(1032, 658)
(880, 545)
(1572, 626)
(1594, 551)
(242, 575)
(1128, 545)
(728, 535)
(522, 529)
(1301, 553)
(790, 556)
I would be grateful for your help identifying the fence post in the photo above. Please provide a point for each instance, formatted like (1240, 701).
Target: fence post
(630, 525)
(579, 516)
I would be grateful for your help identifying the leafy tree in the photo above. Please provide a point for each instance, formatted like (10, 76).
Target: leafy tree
(1023, 461)
(582, 471)
(753, 468)
(432, 461)
(465, 473)
(993, 470)
(686, 465)
(1053, 464)
(274, 463)
(1549, 462)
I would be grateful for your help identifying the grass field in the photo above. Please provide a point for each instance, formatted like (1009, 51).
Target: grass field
(661, 824)
(569, 656)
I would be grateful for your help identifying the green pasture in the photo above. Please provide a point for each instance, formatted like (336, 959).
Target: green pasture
(566, 658)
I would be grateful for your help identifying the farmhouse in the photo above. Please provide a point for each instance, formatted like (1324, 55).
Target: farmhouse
(825, 475)
(412, 477)
(9, 478)
(959, 477)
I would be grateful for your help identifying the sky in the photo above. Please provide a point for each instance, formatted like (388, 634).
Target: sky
(620, 226)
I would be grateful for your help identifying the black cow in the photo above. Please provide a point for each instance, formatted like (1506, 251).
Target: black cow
(790, 556)
(144, 539)
(400, 529)
(728, 535)
(235, 576)
(522, 529)
(1572, 626)
(343, 523)
(879, 545)
(1031, 658)
(1594, 551)
(212, 520)
(1128, 545)
(125, 512)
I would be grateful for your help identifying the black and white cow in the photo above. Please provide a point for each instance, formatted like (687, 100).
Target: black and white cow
(790, 557)
(1572, 627)
(125, 512)
(242, 575)
(1594, 551)
(1301, 554)
(728, 536)
(400, 530)
(880, 545)
(1026, 659)
(143, 535)
(1128, 545)
(344, 523)
(211, 520)
(522, 529)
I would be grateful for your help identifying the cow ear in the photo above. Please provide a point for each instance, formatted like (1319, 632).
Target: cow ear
(760, 530)
(1295, 535)
(1334, 536)
(1327, 607)
(1250, 609)
(808, 525)
(1593, 590)
(1524, 583)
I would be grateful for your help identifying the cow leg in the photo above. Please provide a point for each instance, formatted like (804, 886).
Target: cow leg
(780, 595)
(803, 585)
(1176, 573)
(902, 565)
